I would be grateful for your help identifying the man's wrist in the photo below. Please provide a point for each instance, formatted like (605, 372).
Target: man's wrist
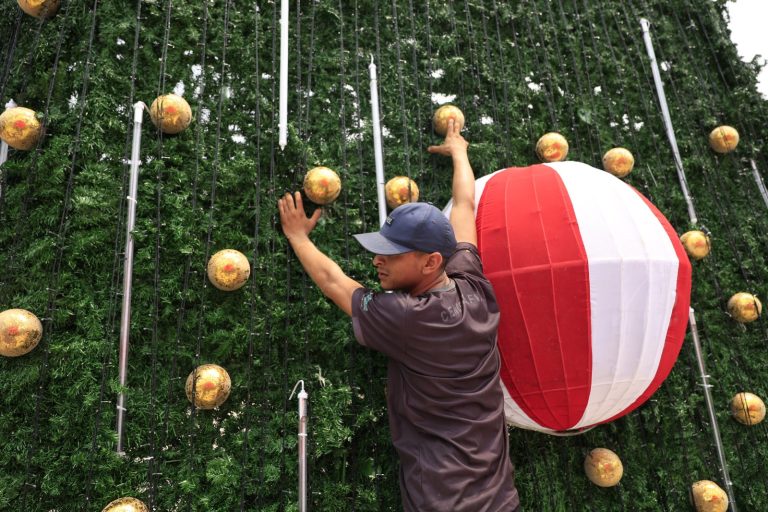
(298, 239)
(460, 156)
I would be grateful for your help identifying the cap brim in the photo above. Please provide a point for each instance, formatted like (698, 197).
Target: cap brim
(377, 244)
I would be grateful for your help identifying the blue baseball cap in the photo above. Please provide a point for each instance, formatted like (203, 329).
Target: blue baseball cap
(412, 227)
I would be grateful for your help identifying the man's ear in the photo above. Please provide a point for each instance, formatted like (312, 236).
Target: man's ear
(433, 263)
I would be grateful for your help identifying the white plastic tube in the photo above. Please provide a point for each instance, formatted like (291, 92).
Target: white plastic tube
(755, 173)
(125, 318)
(3, 158)
(711, 409)
(283, 122)
(668, 120)
(378, 154)
(303, 418)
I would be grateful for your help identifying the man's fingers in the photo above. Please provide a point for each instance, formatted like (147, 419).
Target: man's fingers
(316, 216)
(299, 202)
(454, 127)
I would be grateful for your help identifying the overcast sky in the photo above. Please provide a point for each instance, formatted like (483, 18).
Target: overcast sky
(749, 20)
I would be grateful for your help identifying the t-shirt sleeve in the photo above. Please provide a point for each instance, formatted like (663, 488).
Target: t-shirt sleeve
(466, 260)
(378, 320)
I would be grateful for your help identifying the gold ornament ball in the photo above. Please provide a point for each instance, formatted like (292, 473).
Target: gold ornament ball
(723, 139)
(603, 467)
(212, 385)
(552, 147)
(20, 332)
(19, 128)
(744, 307)
(39, 8)
(709, 497)
(696, 244)
(126, 505)
(322, 185)
(228, 270)
(618, 161)
(171, 113)
(443, 114)
(747, 409)
(400, 190)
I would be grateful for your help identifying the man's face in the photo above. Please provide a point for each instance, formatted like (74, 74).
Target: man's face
(400, 271)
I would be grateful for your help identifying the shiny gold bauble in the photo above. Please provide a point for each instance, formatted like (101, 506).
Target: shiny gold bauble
(39, 8)
(322, 185)
(400, 190)
(126, 505)
(747, 409)
(744, 307)
(228, 270)
(723, 139)
(443, 114)
(19, 128)
(618, 161)
(552, 147)
(696, 244)
(603, 467)
(171, 113)
(20, 332)
(212, 385)
(709, 497)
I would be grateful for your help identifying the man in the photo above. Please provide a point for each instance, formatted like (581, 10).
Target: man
(438, 328)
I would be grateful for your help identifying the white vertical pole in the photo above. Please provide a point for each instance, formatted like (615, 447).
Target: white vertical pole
(711, 409)
(668, 120)
(283, 122)
(303, 396)
(378, 155)
(3, 158)
(755, 173)
(303, 417)
(125, 319)
(4, 151)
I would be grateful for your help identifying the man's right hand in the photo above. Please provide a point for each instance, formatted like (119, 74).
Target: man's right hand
(294, 220)
(454, 143)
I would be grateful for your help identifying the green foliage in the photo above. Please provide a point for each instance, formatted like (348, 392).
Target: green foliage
(517, 70)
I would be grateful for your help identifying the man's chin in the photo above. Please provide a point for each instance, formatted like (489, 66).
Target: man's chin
(388, 287)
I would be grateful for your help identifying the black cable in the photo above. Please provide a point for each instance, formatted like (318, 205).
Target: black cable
(363, 179)
(401, 85)
(548, 94)
(256, 267)
(478, 73)
(159, 222)
(10, 53)
(542, 42)
(115, 293)
(33, 165)
(31, 476)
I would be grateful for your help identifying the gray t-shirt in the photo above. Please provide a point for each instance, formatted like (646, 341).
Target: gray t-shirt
(446, 408)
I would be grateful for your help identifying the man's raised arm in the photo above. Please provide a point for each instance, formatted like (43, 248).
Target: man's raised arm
(328, 276)
(463, 192)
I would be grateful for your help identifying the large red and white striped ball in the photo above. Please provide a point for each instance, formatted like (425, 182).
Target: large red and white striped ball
(593, 286)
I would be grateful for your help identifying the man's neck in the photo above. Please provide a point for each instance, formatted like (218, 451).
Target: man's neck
(440, 280)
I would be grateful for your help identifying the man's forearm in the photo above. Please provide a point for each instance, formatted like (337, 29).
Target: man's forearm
(326, 274)
(463, 190)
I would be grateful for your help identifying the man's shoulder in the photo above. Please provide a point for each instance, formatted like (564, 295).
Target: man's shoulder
(365, 300)
(465, 261)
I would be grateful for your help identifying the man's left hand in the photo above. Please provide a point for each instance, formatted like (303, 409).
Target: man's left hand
(294, 219)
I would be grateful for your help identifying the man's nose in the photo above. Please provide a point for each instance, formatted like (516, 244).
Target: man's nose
(378, 260)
